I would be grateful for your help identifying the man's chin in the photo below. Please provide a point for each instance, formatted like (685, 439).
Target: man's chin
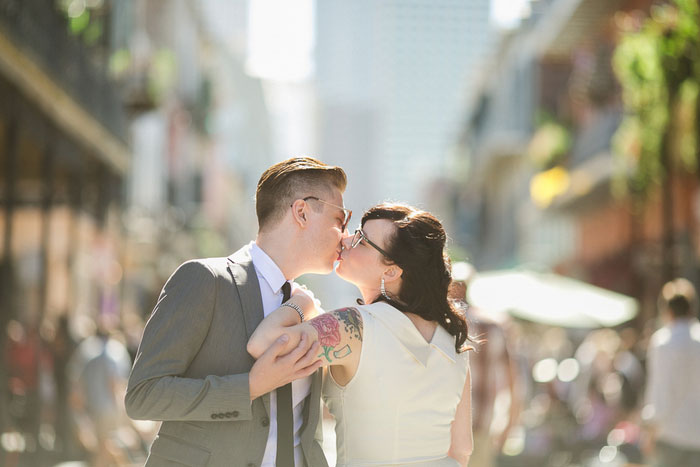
(324, 269)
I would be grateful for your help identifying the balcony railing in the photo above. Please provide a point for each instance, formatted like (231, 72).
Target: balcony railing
(40, 31)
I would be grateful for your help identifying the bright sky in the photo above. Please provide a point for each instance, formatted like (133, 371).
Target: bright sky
(281, 39)
(281, 35)
(506, 14)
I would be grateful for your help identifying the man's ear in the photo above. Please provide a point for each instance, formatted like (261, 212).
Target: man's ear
(299, 210)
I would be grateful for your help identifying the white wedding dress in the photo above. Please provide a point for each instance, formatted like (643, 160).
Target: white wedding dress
(399, 406)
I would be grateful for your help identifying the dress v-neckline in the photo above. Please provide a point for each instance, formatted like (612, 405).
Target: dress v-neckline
(410, 337)
(432, 335)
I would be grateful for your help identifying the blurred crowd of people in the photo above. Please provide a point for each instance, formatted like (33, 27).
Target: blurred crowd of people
(64, 397)
(552, 397)
(542, 396)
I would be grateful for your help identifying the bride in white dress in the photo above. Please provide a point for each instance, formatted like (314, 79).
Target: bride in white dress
(399, 381)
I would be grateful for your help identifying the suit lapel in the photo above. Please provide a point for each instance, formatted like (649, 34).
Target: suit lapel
(241, 267)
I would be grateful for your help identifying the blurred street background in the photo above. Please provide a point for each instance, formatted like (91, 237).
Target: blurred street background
(550, 136)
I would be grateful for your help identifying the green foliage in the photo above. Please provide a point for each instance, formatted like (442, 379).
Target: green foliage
(78, 24)
(93, 32)
(550, 143)
(85, 18)
(657, 65)
(162, 74)
(119, 62)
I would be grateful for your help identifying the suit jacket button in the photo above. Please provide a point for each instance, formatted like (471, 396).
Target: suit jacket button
(214, 416)
(265, 421)
(228, 415)
(235, 413)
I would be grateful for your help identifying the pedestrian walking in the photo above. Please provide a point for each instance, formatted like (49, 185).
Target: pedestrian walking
(673, 401)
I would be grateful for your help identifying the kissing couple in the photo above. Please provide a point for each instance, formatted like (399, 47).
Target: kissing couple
(231, 357)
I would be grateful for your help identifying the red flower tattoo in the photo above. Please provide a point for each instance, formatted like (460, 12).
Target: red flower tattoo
(328, 331)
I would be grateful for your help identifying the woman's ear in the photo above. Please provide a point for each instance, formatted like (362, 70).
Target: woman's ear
(392, 273)
(299, 213)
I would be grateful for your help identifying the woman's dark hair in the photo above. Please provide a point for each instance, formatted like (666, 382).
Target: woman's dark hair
(417, 246)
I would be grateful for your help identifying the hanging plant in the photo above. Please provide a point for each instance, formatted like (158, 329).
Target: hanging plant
(656, 63)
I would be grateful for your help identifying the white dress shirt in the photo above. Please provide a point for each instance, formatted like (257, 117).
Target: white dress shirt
(271, 280)
(673, 361)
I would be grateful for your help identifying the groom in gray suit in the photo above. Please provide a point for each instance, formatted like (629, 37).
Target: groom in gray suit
(219, 406)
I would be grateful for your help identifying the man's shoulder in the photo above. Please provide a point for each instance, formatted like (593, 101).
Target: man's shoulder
(203, 265)
(220, 263)
(203, 268)
(213, 262)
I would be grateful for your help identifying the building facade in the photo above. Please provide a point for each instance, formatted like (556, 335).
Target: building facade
(539, 146)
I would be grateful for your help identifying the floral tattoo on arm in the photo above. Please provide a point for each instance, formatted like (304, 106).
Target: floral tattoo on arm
(328, 328)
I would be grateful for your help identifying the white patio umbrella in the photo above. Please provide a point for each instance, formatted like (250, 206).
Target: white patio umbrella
(550, 299)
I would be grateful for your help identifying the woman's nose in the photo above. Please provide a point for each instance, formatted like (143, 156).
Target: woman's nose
(346, 241)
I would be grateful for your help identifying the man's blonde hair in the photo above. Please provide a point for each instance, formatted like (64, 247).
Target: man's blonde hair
(283, 183)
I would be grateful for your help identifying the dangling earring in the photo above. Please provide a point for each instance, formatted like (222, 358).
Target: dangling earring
(383, 290)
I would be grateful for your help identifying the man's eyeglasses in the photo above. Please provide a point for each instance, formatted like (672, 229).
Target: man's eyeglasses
(347, 213)
(360, 237)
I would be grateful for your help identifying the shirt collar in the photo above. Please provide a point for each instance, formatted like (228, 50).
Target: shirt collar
(405, 331)
(267, 268)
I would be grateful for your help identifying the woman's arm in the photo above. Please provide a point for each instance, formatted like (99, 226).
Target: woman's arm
(339, 332)
(281, 321)
(462, 442)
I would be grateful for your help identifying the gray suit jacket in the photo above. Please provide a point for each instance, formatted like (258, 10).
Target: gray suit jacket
(191, 371)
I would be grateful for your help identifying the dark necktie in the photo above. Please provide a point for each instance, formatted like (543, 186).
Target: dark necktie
(285, 417)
